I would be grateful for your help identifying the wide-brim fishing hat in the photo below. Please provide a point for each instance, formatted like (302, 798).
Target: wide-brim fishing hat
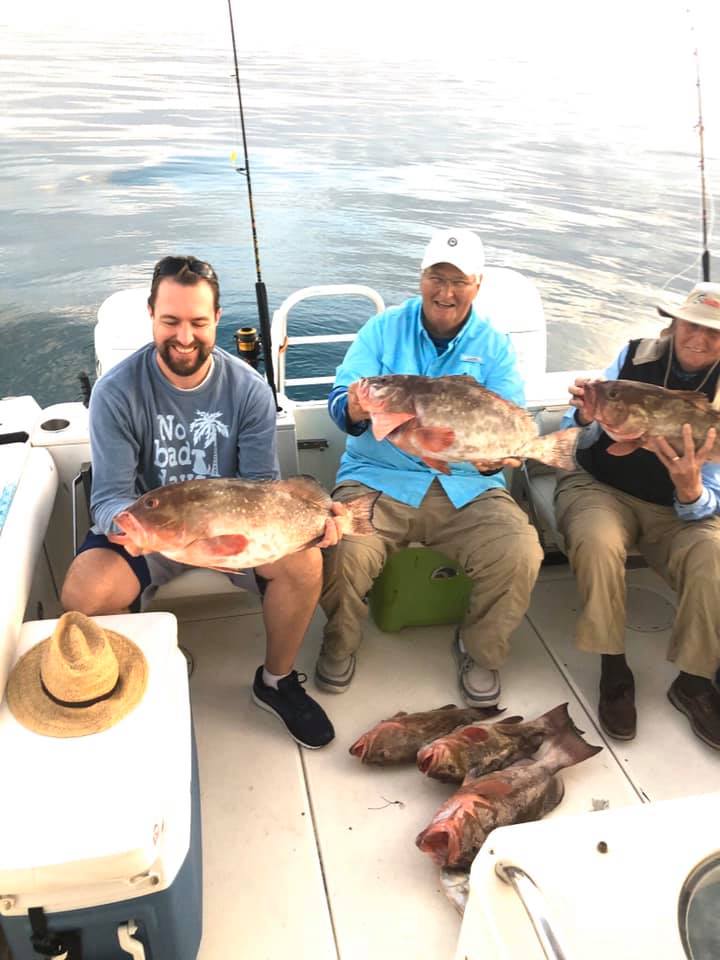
(460, 247)
(701, 306)
(81, 680)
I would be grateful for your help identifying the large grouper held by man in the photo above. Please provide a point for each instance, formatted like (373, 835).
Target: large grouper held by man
(454, 419)
(230, 524)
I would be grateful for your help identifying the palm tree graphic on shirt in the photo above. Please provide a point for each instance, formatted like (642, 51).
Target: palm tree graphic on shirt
(205, 429)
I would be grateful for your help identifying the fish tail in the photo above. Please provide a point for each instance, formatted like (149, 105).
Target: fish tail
(555, 449)
(557, 720)
(360, 513)
(567, 748)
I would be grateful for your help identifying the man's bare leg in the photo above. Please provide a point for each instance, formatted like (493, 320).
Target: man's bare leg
(99, 582)
(291, 597)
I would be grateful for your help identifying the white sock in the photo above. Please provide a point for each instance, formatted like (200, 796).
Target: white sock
(271, 679)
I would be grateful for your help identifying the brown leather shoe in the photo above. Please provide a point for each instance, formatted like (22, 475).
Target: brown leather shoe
(616, 710)
(702, 709)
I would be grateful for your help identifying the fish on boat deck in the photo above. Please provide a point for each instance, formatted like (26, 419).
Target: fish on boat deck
(450, 419)
(526, 791)
(485, 747)
(398, 739)
(230, 524)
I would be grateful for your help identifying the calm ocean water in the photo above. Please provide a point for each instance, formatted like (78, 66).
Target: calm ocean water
(115, 153)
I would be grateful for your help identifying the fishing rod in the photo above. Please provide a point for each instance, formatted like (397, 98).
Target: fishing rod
(260, 291)
(701, 134)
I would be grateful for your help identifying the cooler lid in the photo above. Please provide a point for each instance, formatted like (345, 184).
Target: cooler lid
(99, 806)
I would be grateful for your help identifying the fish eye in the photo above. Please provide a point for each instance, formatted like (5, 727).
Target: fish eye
(613, 394)
(152, 503)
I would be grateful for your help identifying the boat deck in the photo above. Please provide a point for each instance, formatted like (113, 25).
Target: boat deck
(311, 854)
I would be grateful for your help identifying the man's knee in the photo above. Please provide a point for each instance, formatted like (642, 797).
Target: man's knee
(595, 547)
(303, 568)
(702, 560)
(99, 582)
(517, 555)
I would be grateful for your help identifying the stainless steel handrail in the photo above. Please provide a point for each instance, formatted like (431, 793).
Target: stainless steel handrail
(535, 907)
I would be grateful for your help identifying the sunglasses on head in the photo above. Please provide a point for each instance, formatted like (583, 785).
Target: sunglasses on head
(171, 267)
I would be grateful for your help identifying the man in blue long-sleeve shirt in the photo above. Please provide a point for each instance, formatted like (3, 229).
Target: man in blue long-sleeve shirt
(665, 502)
(181, 408)
(467, 514)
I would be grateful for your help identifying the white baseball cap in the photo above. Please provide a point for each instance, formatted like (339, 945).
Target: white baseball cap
(462, 248)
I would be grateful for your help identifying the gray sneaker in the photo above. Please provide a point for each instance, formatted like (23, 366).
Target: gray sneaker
(334, 676)
(479, 686)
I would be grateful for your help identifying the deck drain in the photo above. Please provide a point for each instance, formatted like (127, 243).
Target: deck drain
(648, 611)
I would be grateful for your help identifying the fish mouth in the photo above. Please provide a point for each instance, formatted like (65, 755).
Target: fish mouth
(359, 748)
(435, 841)
(424, 762)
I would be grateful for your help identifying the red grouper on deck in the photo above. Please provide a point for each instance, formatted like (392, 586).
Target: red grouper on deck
(484, 747)
(525, 791)
(230, 524)
(398, 739)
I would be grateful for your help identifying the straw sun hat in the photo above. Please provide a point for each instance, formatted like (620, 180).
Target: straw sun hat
(81, 680)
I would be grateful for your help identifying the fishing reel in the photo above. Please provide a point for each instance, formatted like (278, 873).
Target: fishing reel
(248, 345)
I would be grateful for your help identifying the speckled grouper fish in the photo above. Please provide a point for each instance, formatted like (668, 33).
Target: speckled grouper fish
(398, 739)
(485, 747)
(443, 420)
(229, 524)
(527, 790)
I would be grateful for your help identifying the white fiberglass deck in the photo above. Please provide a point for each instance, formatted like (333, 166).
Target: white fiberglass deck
(311, 854)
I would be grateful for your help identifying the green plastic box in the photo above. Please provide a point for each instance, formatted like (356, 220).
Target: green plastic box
(419, 587)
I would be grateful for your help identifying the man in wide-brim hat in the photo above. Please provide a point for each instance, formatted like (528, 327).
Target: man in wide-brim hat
(83, 679)
(666, 501)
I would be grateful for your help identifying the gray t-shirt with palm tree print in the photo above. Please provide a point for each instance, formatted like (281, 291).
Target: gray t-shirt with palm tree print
(146, 433)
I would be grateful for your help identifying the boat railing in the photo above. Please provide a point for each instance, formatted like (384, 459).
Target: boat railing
(281, 341)
(535, 907)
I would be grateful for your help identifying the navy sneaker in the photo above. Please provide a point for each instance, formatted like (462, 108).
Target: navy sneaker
(305, 719)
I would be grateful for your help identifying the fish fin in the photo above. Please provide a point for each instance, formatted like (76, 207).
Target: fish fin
(557, 720)
(400, 713)
(461, 376)
(473, 734)
(566, 749)
(360, 513)
(436, 465)
(491, 786)
(511, 720)
(435, 439)
(448, 706)
(553, 796)
(555, 449)
(226, 545)
(384, 423)
(623, 448)
(307, 488)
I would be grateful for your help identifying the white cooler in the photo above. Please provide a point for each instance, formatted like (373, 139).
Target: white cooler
(103, 832)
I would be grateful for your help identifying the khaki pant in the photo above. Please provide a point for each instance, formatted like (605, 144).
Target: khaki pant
(490, 538)
(599, 524)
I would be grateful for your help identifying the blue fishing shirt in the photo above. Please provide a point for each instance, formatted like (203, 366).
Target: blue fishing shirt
(707, 504)
(396, 342)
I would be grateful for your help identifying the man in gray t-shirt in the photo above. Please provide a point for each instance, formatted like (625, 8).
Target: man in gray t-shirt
(182, 408)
